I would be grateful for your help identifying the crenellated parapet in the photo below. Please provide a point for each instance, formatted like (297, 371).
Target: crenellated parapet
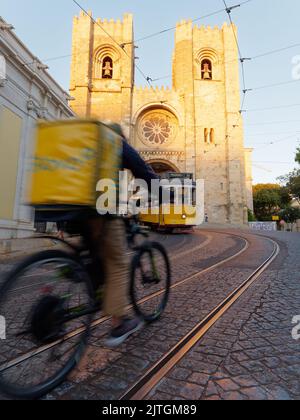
(163, 93)
(116, 28)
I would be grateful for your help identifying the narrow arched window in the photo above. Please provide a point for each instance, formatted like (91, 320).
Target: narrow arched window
(206, 70)
(206, 135)
(107, 68)
(212, 136)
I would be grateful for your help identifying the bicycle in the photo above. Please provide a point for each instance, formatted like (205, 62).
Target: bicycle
(49, 304)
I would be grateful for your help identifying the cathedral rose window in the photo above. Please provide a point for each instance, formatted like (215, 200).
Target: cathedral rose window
(156, 130)
(158, 127)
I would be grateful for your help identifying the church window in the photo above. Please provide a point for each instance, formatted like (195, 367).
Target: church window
(209, 135)
(206, 70)
(107, 68)
(212, 136)
(206, 135)
(158, 127)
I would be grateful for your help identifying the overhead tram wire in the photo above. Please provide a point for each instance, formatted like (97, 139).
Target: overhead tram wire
(266, 145)
(217, 12)
(250, 58)
(273, 162)
(272, 123)
(289, 47)
(277, 133)
(290, 82)
(267, 53)
(140, 39)
(228, 10)
(244, 90)
(242, 59)
(162, 78)
(164, 31)
(272, 108)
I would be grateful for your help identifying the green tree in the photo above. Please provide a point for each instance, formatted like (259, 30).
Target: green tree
(290, 215)
(251, 216)
(292, 182)
(268, 200)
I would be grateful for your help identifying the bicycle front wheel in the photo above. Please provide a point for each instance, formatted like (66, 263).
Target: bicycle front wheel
(45, 302)
(150, 281)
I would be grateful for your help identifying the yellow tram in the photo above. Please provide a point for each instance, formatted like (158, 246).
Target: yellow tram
(180, 213)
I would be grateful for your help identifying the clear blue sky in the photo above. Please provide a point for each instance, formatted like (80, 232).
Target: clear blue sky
(264, 25)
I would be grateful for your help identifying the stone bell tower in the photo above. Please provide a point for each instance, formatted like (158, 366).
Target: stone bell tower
(102, 72)
(206, 77)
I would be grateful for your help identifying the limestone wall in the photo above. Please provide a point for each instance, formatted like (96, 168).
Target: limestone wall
(165, 102)
(196, 125)
(106, 99)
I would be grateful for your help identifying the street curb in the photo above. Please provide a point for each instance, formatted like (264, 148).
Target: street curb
(22, 248)
(11, 251)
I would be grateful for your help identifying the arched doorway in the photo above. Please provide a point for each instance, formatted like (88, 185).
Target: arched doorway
(161, 167)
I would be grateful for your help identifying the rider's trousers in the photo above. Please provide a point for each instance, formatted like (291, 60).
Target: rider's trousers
(108, 246)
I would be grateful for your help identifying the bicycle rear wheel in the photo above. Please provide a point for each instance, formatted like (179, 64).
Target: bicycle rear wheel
(40, 300)
(150, 281)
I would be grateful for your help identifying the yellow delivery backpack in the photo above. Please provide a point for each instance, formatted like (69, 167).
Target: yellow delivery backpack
(70, 158)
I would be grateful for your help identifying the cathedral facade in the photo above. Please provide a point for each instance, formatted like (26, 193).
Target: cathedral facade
(193, 127)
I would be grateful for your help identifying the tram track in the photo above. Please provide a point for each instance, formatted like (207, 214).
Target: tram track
(131, 254)
(143, 386)
(30, 354)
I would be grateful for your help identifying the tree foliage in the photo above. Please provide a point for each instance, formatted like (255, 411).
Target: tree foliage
(292, 182)
(269, 199)
(251, 216)
(290, 214)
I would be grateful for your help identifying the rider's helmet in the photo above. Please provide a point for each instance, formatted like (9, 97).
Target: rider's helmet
(117, 129)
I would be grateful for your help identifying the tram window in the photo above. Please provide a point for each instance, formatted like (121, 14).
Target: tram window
(180, 195)
(194, 197)
(188, 196)
(173, 196)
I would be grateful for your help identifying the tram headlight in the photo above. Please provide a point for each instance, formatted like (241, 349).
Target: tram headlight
(184, 216)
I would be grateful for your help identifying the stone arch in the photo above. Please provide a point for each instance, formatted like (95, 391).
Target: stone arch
(100, 55)
(162, 166)
(210, 56)
(207, 54)
(157, 105)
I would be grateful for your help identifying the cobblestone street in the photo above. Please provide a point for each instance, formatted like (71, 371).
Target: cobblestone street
(149, 203)
(249, 353)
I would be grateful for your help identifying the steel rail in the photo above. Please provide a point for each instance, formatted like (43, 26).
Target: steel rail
(30, 354)
(141, 389)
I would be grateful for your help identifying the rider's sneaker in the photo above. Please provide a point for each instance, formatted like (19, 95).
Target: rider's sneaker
(120, 334)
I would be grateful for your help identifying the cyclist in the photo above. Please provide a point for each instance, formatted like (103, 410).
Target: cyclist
(106, 239)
